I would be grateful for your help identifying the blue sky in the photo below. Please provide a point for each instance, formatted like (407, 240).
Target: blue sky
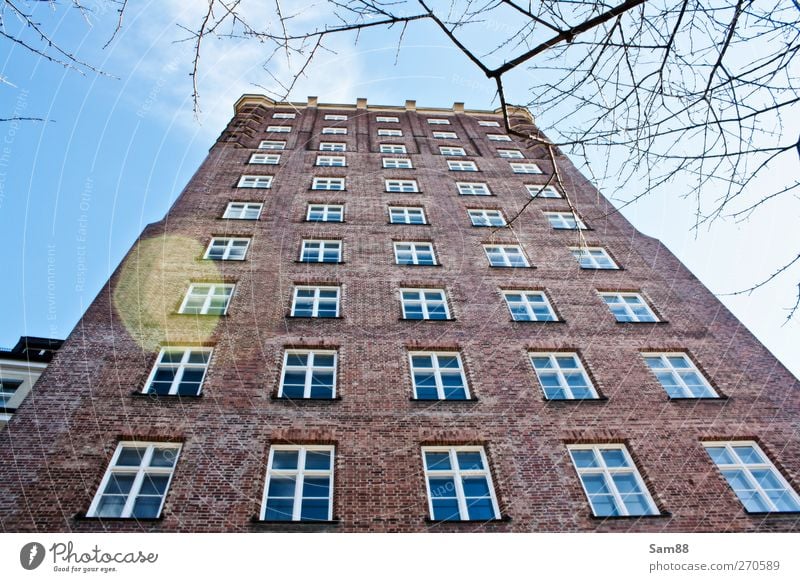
(76, 191)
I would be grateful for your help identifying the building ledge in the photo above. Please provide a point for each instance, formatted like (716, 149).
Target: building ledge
(720, 398)
(258, 521)
(501, 519)
(83, 517)
(297, 400)
(629, 517)
(172, 397)
(445, 400)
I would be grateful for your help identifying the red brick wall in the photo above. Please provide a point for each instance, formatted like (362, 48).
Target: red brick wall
(56, 449)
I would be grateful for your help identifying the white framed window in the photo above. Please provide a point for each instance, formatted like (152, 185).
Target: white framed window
(424, 304)
(314, 301)
(249, 181)
(498, 137)
(283, 116)
(525, 168)
(461, 166)
(593, 258)
(753, 477)
(510, 154)
(272, 145)
(407, 215)
(505, 256)
(678, 375)
(8, 388)
(227, 248)
(385, 119)
(402, 186)
(438, 121)
(392, 148)
(611, 481)
(564, 221)
(414, 253)
(438, 376)
(452, 151)
(473, 189)
(397, 163)
(321, 251)
(327, 184)
(542, 191)
(562, 376)
(487, 123)
(335, 117)
(444, 135)
(308, 374)
(332, 146)
(299, 483)
(529, 306)
(334, 131)
(486, 217)
(243, 210)
(136, 481)
(390, 132)
(332, 161)
(268, 159)
(629, 307)
(279, 129)
(178, 371)
(459, 484)
(207, 299)
(325, 213)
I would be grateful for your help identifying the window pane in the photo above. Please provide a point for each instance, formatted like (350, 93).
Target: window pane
(279, 509)
(437, 461)
(146, 507)
(111, 506)
(480, 509)
(445, 509)
(469, 460)
(281, 486)
(131, 457)
(284, 460)
(316, 487)
(314, 510)
(318, 460)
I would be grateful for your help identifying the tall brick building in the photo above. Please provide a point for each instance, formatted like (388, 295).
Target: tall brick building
(336, 329)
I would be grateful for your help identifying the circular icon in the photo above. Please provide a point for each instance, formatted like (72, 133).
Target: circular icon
(31, 555)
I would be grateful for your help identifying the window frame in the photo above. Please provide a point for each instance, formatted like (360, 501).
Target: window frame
(541, 189)
(524, 167)
(452, 151)
(423, 303)
(402, 184)
(245, 208)
(389, 132)
(488, 123)
(321, 158)
(335, 117)
(329, 180)
(229, 244)
(387, 119)
(309, 372)
(462, 166)
(138, 480)
(457, 474)
(332, 146)
(527, 304)
(321, 250)
(315, 301)
(271, 144)
(747, 468)
(208, 297)
(337, 130)
(563, 383)
(686, 392)
(444, 135)
(283, 115)
(484, 213)
(414, 253)
(563, 218)
(266, 159)
(498, 137)
(326, 210)
(392, 148)
(511, 154)
(406, 215)
(503, 246)
(436, 372)
(438, 121)
(628, 310)
(180, 368)
(299, 478)
(255, 181)
(470, 189)
(8, 389)
(279, 129)
(405, 165)
(587, 252)
(632, 468)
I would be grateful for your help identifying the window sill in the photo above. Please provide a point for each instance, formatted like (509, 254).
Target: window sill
(83, 517)
(200, 314)
(629, 517)
(659, 322)
(538, 321)
(501, 519)
(320, 262)
(694, 398)
(403, 192)
(6, 410)
(602, 269)
(259, 521)
(794, 514)
(423, 319)
(291, 399)
(409, 223)
(240, 219)
(441, 400)
(584, 229)
(154, 396)
(327, 189)
(415, 265)
(510, 267)
(598, 400)
(325, 221)
(216, 260)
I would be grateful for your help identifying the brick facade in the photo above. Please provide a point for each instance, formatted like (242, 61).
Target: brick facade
(56, 449)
